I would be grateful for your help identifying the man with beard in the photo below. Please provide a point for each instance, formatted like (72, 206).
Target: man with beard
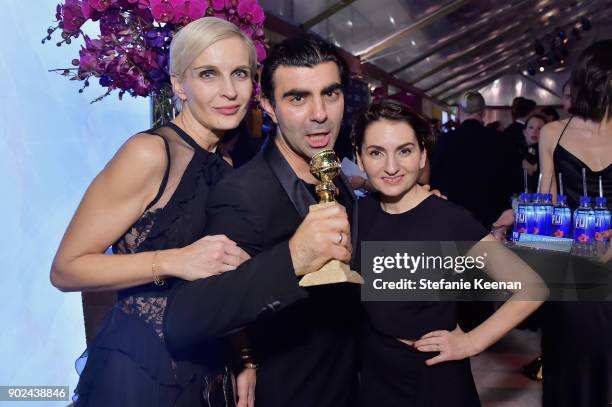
(303, 338)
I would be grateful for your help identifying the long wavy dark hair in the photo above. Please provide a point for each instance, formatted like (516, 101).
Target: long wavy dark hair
(591, 83)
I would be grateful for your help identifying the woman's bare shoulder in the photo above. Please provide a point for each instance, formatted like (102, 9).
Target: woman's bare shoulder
(139, 165)
(143, 151)
(551, 132)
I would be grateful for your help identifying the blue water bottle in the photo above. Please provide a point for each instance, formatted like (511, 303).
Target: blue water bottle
(584, 231)
(522, 218)
(530, 208)
(538, 224)
(561, 222)
(548, 211)
(602, 223)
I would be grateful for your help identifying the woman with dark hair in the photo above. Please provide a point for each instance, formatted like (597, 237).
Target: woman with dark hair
(415, 353)
(577, 337)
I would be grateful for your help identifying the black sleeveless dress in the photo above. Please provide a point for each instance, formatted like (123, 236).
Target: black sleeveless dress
(128, 363)
(571, 167)
(577, 336)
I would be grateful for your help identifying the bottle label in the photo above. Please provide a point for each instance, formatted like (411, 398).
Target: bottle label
(583, 227)
(602, 223)
(540, 224)
(561, 222)
(581, 222)
(523, 219)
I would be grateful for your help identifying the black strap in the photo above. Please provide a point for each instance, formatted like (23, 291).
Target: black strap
(162, 186)
(186, 137)
(566, 124)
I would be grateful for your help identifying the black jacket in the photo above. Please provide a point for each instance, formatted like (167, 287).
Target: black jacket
(475, 167)
(304, 339)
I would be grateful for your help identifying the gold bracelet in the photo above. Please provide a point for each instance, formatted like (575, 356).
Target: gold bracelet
(156, 280)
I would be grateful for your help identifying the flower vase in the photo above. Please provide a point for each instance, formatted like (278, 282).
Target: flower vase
(162, 108)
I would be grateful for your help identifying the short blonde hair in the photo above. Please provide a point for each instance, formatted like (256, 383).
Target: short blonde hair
(190, 41)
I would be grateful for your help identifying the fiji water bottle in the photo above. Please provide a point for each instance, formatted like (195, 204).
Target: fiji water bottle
(523, 214)
(538, 225)
(530, 209)
(584, 231)
(548, 210)
(561, 222)
(602, 223)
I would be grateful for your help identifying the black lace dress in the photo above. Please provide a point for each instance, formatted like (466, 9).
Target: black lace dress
(128, 363)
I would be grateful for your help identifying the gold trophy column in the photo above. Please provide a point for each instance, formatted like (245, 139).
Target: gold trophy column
(325, 166)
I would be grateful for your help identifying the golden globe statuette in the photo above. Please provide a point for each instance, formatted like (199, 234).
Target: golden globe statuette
(325, 166)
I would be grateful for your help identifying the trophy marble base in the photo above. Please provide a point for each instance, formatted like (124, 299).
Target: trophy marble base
(332, 272)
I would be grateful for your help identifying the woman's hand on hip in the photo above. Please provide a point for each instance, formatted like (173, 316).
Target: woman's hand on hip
(451, 345)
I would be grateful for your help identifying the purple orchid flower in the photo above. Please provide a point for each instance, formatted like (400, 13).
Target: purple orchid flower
(101, 5)
(188, 10)
(251, 11)
(72, 16)
(131, 52)
(162, 11)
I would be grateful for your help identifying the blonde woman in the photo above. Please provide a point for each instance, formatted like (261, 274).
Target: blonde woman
(148, 204)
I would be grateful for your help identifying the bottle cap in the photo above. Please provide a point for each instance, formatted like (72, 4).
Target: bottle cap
(525, 197)
(547, 197)
(600, 200)
(561, 199)
(585, 200)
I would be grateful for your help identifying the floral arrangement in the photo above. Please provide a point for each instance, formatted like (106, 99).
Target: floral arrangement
(132, 51)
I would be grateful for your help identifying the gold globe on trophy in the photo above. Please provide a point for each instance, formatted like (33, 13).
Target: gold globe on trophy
(325, 166)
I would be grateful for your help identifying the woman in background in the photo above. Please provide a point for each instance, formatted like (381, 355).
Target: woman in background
(577, 337)
(148, 204)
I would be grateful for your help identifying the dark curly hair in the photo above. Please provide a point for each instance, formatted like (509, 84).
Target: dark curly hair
(395, 111)
(591, 83)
